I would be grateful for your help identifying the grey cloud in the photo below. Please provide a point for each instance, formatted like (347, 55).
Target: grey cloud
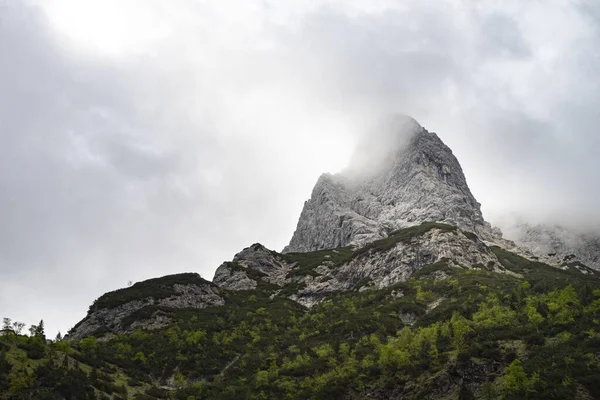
(124, 168)
(502, 36)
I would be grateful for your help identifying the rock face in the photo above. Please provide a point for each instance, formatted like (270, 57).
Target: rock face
(401, 176)
(379, 265)
(110, 312)
(308, 278)
(251, 266)
(372, 225)
(559, 245)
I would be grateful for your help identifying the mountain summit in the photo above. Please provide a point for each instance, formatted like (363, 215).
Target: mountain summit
(401, 175)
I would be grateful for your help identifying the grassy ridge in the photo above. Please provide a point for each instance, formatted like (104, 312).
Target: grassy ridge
(157, 288)
(405, 235)
(305, 263)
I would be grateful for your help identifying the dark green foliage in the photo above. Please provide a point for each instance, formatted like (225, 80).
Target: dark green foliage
(486, 324)
(68, 383)
(430, 269)
(5, 368)
(35, 347)
(543, 277)
(291, 288)
(367, 281)
(158, 288)
(58, 374)
(306, 262)
(51, 379)
(403, 236)
(470, 235)
(447, 332)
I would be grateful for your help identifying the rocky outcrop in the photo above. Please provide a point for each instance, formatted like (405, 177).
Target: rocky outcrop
(111, 312)
(309, 278)
(558, 245)
(374, 268)
(401, 176)
(249, 267)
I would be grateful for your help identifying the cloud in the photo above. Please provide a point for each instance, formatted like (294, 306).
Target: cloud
(136, 152)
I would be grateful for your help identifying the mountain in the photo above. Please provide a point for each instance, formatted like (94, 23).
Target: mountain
(309, 278)
(559, 244)
(393, 287)
(400, 176)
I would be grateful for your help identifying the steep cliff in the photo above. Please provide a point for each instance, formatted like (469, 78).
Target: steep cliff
(400, 176)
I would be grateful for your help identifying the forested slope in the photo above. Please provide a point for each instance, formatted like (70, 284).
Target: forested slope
(447, 332)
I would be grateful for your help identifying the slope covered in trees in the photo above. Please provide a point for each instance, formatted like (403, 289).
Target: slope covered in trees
(447, 332)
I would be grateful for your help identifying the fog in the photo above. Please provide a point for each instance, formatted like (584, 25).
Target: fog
(143, 138)
(379, 146)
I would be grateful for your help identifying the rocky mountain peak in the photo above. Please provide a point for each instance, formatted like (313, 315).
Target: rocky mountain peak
(400, 175)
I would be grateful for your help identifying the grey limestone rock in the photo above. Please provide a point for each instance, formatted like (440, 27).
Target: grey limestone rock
(386, 268)
(401, 176)
(184, 296)
(229, 278)
(559, 245)
(251, 264)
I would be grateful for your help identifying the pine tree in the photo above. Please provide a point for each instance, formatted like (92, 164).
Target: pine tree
(39, 331)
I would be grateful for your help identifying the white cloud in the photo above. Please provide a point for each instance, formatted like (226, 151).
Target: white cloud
(146, 138)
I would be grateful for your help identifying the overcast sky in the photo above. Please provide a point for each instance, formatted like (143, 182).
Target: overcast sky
(140, 138)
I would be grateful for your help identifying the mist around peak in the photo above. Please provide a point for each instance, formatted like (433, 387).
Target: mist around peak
(381, 146)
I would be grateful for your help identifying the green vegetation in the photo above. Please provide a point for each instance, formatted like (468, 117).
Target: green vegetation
(405, 235)
(534, 334)
(158, 288)
(542, 276)
(305, 263)
(32, 367)
(470, 235)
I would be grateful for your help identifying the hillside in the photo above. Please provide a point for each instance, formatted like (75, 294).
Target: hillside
(447, 332)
